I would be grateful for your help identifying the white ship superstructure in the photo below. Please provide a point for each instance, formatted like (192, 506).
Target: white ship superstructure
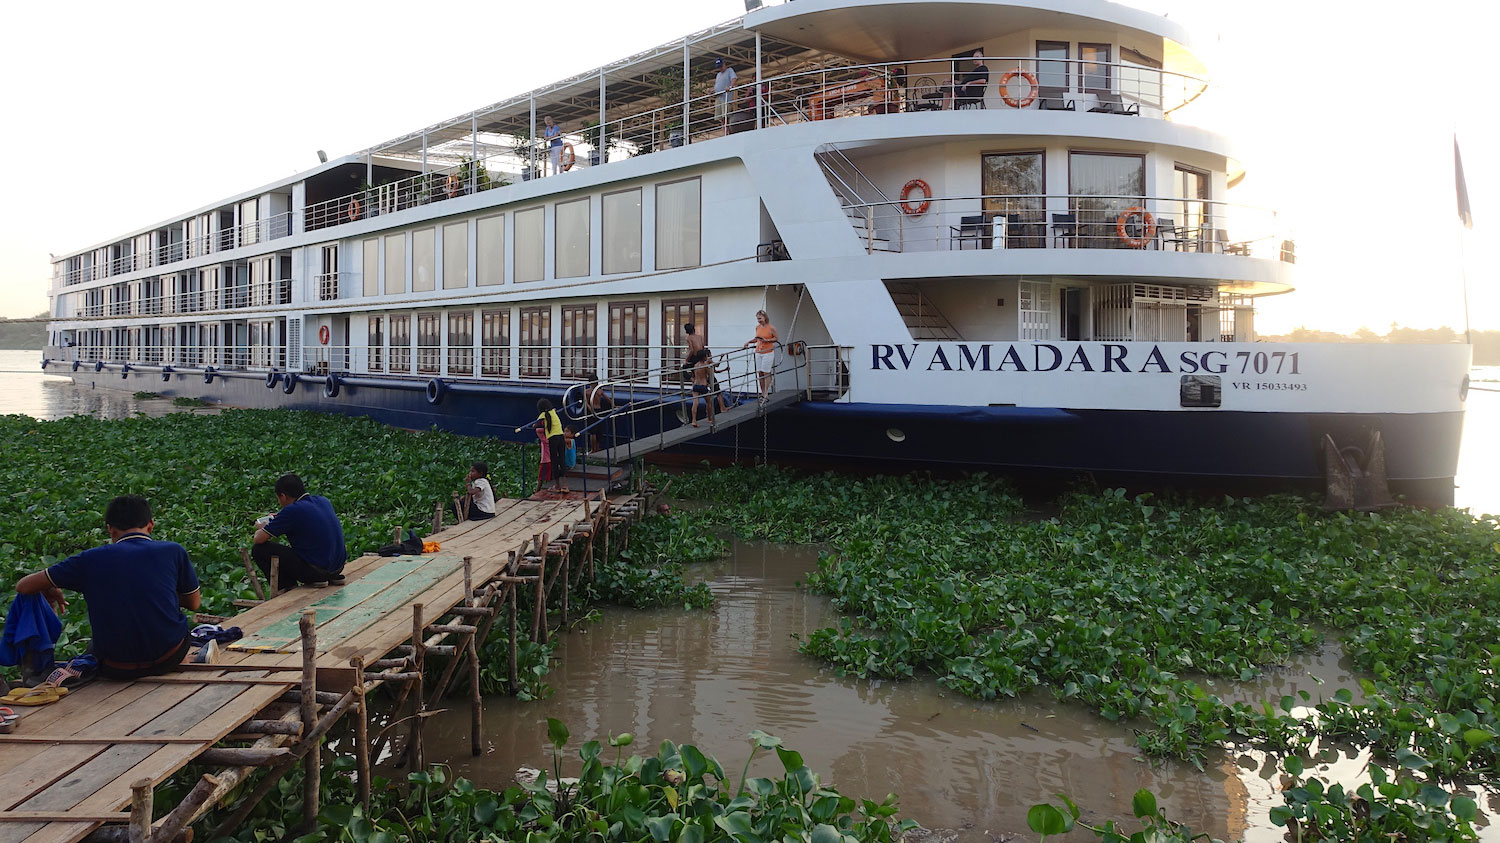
(990, 234)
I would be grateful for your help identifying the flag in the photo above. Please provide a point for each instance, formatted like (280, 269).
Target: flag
(1465, 214)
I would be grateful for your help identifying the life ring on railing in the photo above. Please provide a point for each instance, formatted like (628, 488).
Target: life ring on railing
(906, 190)
(323, 335)
(796, 348)
(566, 158)
(271, 378)
(208, 374)
(1005, 88)
(355, 209)
(436, 389)
(1145, 215)
(331, 386)
(289, 382)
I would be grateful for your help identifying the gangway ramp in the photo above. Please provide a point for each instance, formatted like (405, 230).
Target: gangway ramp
(623, 453)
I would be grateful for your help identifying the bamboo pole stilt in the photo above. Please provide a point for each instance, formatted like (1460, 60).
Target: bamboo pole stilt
(312, 761)
(418, 652)
(515, 681)
(476, 702)
(361, 735)
(260, 590)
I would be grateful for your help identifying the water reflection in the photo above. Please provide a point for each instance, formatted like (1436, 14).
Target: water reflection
(48, 397)
(709, 678)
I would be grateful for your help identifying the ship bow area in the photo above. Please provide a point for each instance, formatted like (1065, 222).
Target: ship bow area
(1251, 410)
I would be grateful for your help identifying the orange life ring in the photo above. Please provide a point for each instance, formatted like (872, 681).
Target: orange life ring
(1145, 215)
(566, 157)
(355, 209)
(919, 210)
(323, 335)
(1005, 88)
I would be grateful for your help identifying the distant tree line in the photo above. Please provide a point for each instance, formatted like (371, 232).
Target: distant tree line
(1486, 343)
(25, 335)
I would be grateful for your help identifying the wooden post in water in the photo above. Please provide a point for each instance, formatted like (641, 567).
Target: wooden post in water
(515, 681)
(140, 811)
(312, 765)
(418, 651)
(539, 613)
(437, 517)
(361, 734)
(476, 701)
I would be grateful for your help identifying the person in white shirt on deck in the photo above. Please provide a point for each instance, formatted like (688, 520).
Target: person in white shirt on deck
(479, 496)
(723, 82)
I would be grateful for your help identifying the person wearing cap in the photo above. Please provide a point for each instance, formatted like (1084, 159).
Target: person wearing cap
(723, 82)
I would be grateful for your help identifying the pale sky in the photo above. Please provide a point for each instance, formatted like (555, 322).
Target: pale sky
(121, 115)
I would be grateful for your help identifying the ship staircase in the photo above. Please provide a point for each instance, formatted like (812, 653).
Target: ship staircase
(651, 410)
(922, 317)
(862, 200)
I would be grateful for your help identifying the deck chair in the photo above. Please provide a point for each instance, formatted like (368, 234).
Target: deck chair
(1055, 99)
(1110, 103)
(1221, 241)
(1064, 229)
(969, 230)
(1166, 232)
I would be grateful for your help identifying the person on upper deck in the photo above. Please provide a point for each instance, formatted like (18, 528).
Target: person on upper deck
(552, 133)
(723, 95)
(970, 88)
(135, 586)
(316, 554)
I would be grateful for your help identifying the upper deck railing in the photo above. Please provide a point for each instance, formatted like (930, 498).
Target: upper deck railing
(849, 90)
(247, 234)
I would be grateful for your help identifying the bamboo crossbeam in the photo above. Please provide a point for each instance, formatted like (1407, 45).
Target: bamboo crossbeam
(179, 818)
(241, 756)
(452, 628)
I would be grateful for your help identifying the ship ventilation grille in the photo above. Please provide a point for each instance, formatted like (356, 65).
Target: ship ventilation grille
(294, 343)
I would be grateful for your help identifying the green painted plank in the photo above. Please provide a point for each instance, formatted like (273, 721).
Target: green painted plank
(387, 602)
(286, 632)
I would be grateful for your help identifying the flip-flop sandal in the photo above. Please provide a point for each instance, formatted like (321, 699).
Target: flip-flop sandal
(40, 695)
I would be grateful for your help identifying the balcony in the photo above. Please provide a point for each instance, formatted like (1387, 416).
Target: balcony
(835, 92)
(1070, 221)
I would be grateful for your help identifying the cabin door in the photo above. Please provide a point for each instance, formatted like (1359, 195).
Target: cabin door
(1073, 303)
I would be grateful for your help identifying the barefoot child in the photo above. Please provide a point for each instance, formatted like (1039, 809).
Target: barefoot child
(702, 365)
(479, 496)
(549, 426)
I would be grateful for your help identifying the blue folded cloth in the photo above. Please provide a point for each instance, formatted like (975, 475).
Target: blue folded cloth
(206, 632)
(31, 629)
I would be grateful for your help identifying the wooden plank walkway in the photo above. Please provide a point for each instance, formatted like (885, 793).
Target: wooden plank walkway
(68, 768)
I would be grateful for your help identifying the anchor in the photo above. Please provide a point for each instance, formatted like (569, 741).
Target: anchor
(1356, 478)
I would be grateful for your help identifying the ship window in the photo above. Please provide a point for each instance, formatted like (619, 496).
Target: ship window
(629, 338)
(536, 342)
(423, 259)
(1093, 67)
(461, 342)
(401, 344)
(675, 314)
(429, 343)
(395, 264)
(1013, 183)
(679, 215)
(572, 237)
(1052, 64)
(377, 344)
(489, 236)
(1192, 190)
(1103, 185)
(529, 244)
(495, 325)
(456, 256)
(580, 341)
(371, 267)
(622, 232)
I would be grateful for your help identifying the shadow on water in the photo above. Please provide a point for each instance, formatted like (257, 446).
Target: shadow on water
(708, 678)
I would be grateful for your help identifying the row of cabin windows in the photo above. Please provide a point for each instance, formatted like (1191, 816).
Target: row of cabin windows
(253, 283)
(628, 337)
(678, 243)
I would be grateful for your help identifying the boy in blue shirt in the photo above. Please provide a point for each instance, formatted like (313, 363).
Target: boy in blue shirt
(135, 588)
(316, 553)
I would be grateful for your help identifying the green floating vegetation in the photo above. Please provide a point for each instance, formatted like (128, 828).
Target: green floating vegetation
(678, 794)
(143, 395)
(188, 401)
(1120, 602)
(208, 477)
(647, 574)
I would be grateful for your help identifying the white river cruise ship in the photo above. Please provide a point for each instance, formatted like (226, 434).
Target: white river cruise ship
(989, 234)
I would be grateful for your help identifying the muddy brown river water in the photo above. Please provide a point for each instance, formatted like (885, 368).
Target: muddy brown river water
(708, 678)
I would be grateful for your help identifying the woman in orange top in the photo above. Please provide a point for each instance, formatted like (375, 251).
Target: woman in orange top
(765, 352)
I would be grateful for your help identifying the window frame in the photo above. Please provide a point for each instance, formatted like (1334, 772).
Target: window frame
(638, 352)
(658, 234)
(535, 344)
(673, 348)
(580, 356)
(515, 255)
(501, 367)
(640, 225)
(558, 269)
(1067, 62)
(1084, 63)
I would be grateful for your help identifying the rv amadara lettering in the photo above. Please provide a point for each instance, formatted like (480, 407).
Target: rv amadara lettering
(1084, 357)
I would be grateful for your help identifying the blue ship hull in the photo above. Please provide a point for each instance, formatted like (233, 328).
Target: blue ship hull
(1219, 449)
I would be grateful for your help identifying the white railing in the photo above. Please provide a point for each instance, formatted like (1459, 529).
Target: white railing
(328, 286)
(1069, 221)
(247, 234)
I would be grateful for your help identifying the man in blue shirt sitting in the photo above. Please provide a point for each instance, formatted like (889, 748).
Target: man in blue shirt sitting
(135, 587)
(316, 554)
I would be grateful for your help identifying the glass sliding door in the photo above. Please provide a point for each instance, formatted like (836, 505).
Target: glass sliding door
(1191, 187)
(1103, 186)
(1013, 185)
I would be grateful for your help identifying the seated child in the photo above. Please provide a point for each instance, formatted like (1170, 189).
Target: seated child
(479, 496)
